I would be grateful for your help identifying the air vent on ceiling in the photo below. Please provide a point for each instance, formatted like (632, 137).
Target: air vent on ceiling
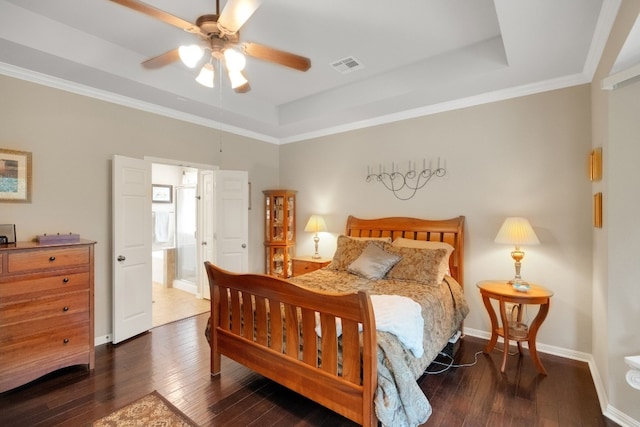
(347, 65)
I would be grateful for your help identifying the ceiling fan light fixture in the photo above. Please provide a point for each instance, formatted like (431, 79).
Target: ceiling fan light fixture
(190, 55)
(237, 79)
(234, 60)
(206, 76)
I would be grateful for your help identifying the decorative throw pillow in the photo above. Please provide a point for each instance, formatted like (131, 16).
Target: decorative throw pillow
(373, 263)
(443, 269)
(417, 264)
(348, 250)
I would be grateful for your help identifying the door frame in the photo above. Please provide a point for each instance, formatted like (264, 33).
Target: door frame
(201, 207)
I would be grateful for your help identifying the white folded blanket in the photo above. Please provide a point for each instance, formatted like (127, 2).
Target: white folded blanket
(398, 315)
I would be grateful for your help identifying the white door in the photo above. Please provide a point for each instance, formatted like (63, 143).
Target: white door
(132, 291)
(232, 220)
(206, 227)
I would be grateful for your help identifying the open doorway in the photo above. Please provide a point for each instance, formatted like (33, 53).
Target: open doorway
(176, 292)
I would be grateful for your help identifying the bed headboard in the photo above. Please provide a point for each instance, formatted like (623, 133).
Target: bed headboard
(446, 230)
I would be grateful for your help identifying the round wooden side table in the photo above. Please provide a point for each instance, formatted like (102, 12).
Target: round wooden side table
(503, 292)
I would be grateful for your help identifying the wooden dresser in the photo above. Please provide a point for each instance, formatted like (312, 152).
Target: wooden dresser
(46, 309)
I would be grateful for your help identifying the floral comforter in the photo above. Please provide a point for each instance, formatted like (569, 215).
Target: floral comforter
(399, 401)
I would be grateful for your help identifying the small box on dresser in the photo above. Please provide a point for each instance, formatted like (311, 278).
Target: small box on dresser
(46, 309)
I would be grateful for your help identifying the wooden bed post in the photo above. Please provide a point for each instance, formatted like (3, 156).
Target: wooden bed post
(369, 368)
(214, 321)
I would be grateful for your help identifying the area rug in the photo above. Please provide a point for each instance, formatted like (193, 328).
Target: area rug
(152, 410)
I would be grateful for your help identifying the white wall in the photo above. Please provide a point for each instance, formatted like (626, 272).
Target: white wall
(524, 157)
(624, 244)
(614, 324)
(73, 139)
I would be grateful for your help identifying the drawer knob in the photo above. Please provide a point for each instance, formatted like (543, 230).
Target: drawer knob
(65, 280)
(66, 308)
(66, 340)
(52, 258)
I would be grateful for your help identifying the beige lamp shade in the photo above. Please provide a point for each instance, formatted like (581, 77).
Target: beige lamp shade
(518, 232)
(315, 224)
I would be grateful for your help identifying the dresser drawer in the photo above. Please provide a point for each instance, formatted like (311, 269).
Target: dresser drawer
(30, 288)
(44, 346)
(47, 259)
(303, 266)
(15, 332)
(43, 308)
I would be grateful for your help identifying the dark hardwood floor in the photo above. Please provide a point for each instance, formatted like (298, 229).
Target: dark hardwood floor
(174, 360)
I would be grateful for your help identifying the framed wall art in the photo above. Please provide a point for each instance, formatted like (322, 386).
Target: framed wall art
(15, 176)
(161, 193)
(595, 164)
(597, 210)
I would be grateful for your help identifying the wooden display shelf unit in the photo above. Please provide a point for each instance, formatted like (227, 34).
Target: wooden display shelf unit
(280, 232)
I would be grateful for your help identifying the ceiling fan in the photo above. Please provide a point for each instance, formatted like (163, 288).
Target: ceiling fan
(219, 34)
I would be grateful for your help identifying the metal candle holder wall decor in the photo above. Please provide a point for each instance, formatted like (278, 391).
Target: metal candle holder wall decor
(405, 185)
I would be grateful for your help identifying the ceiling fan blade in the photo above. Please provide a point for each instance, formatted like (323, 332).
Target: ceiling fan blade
(287, 59)
(162, 60)
(243, 89)
(159, 14)
(236, 13)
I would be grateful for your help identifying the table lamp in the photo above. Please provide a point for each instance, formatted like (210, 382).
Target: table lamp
(315, 225)
(517, 231)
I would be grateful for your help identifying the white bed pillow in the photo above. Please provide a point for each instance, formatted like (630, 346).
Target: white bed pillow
(373, 263)
(443, 268)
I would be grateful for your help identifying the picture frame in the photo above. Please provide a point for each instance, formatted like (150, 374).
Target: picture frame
(595, 164)
(597, 210)
(161, 193)
(7, 234)
(15, 176)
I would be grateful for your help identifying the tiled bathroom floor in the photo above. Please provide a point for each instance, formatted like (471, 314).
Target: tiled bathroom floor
(171, 304)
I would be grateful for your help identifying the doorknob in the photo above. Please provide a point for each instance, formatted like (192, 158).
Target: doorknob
(121, 258)
(244, 245)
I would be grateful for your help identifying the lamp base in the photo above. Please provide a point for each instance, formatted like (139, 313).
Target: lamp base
(316, 256)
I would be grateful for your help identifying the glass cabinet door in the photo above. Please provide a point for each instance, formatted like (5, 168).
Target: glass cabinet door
(280, 231)
(279, 261)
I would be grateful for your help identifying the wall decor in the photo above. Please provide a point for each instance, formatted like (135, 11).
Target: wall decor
(597, 210)
(7, 233)
(595, 164)
(15, 176)
(161, 193)
(405, 185)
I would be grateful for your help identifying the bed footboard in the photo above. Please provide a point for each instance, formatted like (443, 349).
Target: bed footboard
(280, 330)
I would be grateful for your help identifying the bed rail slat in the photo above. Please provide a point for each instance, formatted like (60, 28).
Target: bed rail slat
(262, 327)
(309, 341)
(350, 351)
(293, 333)
(275, 319)
(329, 343)
(248, 323)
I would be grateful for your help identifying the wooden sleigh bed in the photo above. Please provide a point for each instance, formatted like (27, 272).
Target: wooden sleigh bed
(324, 345)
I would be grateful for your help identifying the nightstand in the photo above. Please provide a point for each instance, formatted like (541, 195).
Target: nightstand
(503, 292)
(306, 264)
